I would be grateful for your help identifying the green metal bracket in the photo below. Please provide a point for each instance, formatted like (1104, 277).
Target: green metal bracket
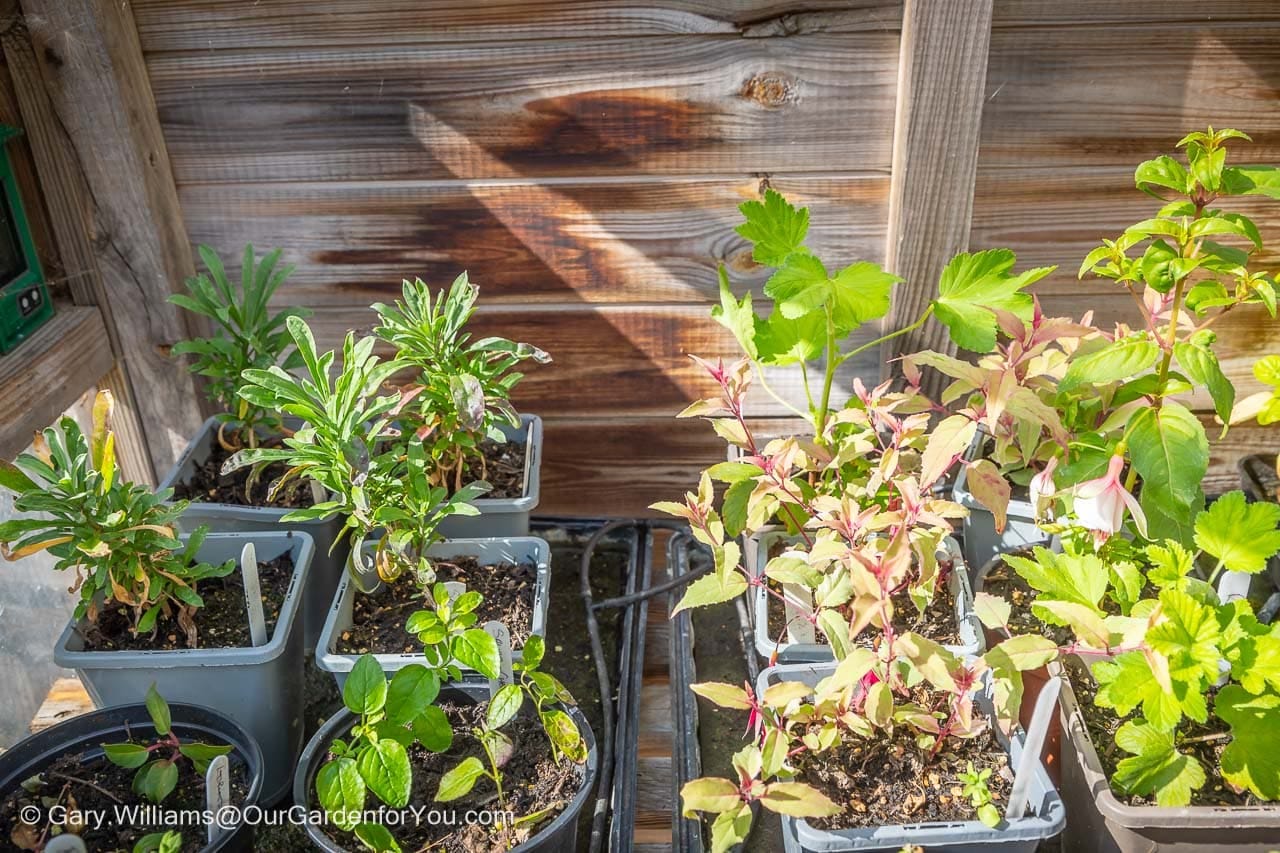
(24, 299)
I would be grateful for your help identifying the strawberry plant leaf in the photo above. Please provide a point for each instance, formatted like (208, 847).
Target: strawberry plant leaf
(1187, 637)
(1156, 766)
(1127, 682)
(775, 227)
(973, 286)
(799, 286)
(1252, 759)
(1242, 535)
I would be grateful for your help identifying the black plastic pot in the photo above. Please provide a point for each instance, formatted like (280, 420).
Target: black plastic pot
(85, 734)
(559, 835)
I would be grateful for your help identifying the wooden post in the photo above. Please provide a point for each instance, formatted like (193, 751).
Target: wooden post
(88, 110)
(942, 74)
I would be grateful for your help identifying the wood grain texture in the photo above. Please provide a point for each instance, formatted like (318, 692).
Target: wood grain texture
(651, 240)
(530, 109)
(47, 373)
(1118, 95)
(67, 698)
(211, 25)
(1022, 13)
(615, 360)
(935, 156)
(107, 178)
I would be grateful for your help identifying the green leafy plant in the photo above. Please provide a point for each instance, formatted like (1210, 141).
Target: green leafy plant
(1185, 268)
(1178, 666)
(541, 689)
(117, 537)
(159, 842)
(448, 633)
(390, 717)
(462, 387)
(248, 336)
(348, 445)
(157, 762)
(975, 788)
(910, 690)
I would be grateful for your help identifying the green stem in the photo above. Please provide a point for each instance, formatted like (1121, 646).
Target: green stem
(903, 331)
(820, 420)
(759, 369)
(804, 377)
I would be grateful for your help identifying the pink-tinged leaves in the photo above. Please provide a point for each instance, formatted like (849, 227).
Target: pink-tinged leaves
(946, 443)
(990, 489)
(992, 610)
(797, 799)
(724, 695)
(712, 589)
(709, 795)
(784, 693)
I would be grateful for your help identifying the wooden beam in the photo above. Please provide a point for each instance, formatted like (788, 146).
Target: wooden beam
(942, 72)
(88, 109)
(49, 371)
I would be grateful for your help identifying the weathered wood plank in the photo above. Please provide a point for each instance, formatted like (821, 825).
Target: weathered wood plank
(96, 120)
(1057, 96)
(935, 156)
(67, 698)
(530, 109)
(650, 240)
(613, 360)
(1022, 13)
(42, 378)
(1057, 216)
(208, 25)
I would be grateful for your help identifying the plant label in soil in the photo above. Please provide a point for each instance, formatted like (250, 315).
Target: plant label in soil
(528, 460)
(1233, 585)
(67, 842)
(253, 595)
(217, 789)
(454, 588)
(1046, 707)
(799, 605)
(502, 636)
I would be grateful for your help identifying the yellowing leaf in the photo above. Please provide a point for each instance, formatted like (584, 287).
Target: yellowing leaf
(947, 442)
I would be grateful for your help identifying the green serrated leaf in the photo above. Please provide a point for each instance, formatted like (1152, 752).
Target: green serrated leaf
(1242, 535)
(1156, 766)
(775, 226)
(1117, 360)
(974, 286)
(1252, 759)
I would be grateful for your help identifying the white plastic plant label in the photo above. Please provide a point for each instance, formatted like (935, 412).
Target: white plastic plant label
(217, 790)
(506, 675)
(67, 842)
(253, 595)
(799, 606)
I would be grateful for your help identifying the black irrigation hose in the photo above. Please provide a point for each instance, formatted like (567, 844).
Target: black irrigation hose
(604, 792)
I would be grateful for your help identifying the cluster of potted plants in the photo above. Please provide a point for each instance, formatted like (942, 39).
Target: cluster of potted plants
(1069, 456)
(372, 511)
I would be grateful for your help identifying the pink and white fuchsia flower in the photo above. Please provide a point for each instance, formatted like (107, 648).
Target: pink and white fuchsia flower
(1100, 503)
(1043, 490)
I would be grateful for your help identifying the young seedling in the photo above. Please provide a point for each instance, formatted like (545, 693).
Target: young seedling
(975, 788)
(159, 842)
(248, 336)
(462, 389)
(157, 762)
(118, 537)
(448, 635)
(390, 717)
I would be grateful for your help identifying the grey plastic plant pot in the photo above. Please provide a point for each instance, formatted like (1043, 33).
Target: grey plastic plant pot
(326, 567)
(513, 550)
(1100, 823)
(981, 540)
(505, 517)
(84, 736)
(1023, 835)
(559, 835)
(258, 687)
(968, 626)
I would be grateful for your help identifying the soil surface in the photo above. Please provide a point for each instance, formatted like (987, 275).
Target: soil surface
(100, 786)
(208, 485)
(221, 624)
(378, 619)
(1102, 724)
(937, 622)
(889, 781)
(502, 468)
(1003, 582)
(531, 782)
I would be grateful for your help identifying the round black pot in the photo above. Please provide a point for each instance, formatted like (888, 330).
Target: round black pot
(559, 835)
(85, 734)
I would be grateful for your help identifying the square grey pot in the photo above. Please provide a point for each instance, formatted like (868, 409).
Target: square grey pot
(968, 626)
(505, 517)
(1022, 835)
(981, 540)
(258, 687)
(1100, 823)
(516, 549)
(326, 565)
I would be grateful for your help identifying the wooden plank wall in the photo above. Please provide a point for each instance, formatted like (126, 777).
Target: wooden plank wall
(582, 160)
